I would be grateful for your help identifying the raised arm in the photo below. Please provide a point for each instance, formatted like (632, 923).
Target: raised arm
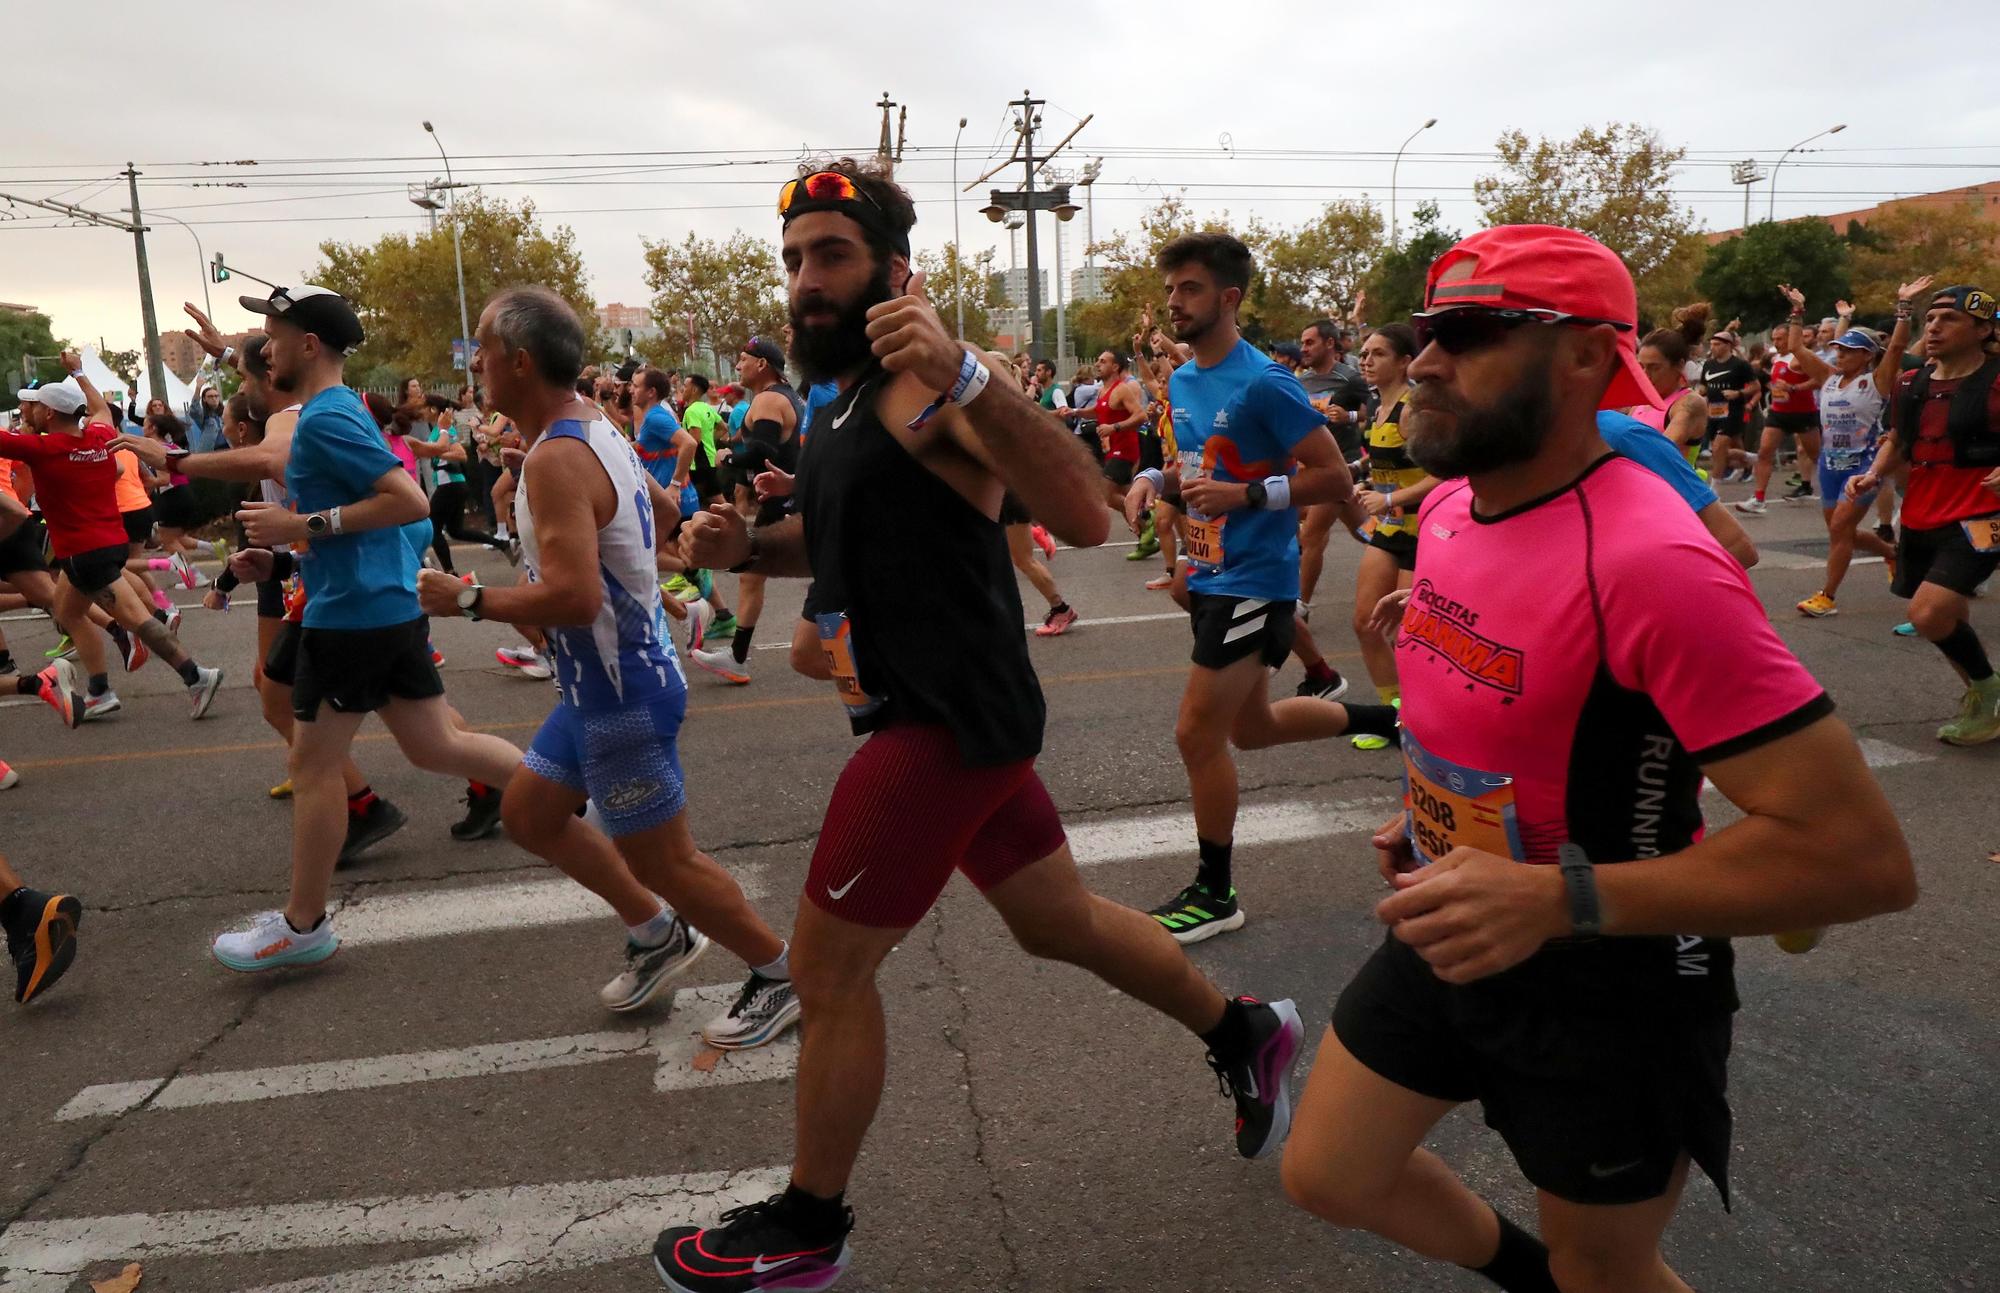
(94, 407)
(1891, 365)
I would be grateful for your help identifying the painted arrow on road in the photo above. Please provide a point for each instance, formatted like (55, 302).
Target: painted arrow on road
(500, 1236)
(672, 1044)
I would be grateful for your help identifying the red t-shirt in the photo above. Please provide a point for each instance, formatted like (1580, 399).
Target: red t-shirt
(1804, 395)
(1941, 494)
(76, 485)
(1124, 428)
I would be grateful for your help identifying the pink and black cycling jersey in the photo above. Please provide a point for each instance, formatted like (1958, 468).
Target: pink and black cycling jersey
(1557, 666)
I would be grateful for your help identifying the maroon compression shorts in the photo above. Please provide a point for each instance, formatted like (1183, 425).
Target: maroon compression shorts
(907, 812)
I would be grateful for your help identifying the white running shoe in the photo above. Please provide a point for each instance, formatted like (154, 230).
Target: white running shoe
(723, 665)
(531, 663)
(178, 565)
(649, 969)
(763, 1011)
(1752, 507)
(102, 706)
(8, 777)
(201, 693)
(269, 942)
(700, 616)
(174, 621)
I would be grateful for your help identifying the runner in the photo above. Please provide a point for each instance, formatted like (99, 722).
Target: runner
(24, 569)
(1946, 424)
(1794, 410)
(76, 485)
(1600, 1060)
(1683, 417)
(1120, 408)
(701, 420)
(586, 511)
(1851, 401)
(1240, 421)
(1340, 392)
(431, 436)
(1730, 385)
(900, 536)
(41, 931)
(1021, 546)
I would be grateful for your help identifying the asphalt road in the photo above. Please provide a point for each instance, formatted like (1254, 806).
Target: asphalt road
(445, 1106)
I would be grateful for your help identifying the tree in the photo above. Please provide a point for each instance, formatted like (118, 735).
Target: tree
(1947, 241)
(1671, 283)
(1741, 275)
(731, 290)
(1614, 184)
(125, 363)
(23, 335)
(945, 270)
(1315, 269)
(1395, 284)
(405, 286)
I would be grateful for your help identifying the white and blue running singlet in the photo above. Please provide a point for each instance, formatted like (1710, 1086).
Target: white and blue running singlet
(623, 695)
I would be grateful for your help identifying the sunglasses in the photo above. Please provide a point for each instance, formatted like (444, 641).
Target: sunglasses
(821, 186)
(1466, 329)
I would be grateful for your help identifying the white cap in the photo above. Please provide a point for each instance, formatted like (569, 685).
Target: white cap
(64, 397)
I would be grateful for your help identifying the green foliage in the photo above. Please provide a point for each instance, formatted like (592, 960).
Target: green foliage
(405, 286)
(1395, 284)
(732, 290)
(945, 270)
(1315, 270)
(1742, 275)
(1948, 241)
(22, 335)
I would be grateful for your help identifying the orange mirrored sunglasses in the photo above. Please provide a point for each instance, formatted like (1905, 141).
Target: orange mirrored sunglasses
(820, 186)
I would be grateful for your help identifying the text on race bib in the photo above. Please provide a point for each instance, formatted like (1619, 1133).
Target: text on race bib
(1451, 806)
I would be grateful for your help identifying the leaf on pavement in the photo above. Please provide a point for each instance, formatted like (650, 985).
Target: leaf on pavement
(706, 1059)
(123, 1282)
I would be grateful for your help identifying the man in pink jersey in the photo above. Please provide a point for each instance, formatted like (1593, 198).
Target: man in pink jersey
(1558, 939)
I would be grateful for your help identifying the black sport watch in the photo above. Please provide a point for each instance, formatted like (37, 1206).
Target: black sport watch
(1254, 495)
(317, 524)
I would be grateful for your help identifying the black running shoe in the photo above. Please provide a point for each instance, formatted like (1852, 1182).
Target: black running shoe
(381, 820)
(756, 1247)
(1196, 914)
(1800, 490)
(482, 815)
(1261, 1081)
(1332, 689)
(42, 941)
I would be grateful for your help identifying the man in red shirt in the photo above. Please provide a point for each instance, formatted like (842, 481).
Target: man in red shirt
(1945, 420)
(1794, 410)
(76, 480)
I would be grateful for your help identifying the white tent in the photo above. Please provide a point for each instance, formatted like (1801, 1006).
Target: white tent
(177, 394)
(108, 383)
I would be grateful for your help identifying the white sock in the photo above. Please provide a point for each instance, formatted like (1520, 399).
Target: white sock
(654, 932)
(501, 533)
(203, 546)
(778, 969)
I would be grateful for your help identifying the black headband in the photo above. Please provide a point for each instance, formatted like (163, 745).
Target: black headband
(863, 212)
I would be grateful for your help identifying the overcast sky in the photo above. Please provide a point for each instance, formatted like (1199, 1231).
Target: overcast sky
(711, 104)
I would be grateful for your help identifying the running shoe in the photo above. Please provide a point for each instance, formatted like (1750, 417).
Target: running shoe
(1043, 540)
(1195, 914)
(201, 693)
(64, 649)
(181, 570)
(482, 815)
(8, 777)
(649, 969)
(1056, 623)
(1819, 606)
(100, 706)
(1799, 491)
(1261, 1081)
(437, 658)
(1885, 532)
(723, 628)
(513, 551)
(134, 651)
(173, 621)
(1795, 481)
(531, 663)
(365, 830)
(61, 691)
(1160, 583)
(8, 668)
(1370, 741)
(724, 666)
(1979, 718)
(757, 1246)
(41, 940)
(269, 942)
(283, 790)
(1905, 630)
(1332, 689)
(1149, 545)
(1799, 941)
(1752, 507)
(699, 615)
(763, 1010)
(677, 586)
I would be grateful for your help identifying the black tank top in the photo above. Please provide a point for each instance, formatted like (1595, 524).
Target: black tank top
(927, 585)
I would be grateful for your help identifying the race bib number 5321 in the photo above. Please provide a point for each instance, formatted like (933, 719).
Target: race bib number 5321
(1451, 806)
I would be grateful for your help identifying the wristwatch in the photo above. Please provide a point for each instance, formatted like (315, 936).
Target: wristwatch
(468, 600)
(317, 524)
(1586, 917)
(1254, 495)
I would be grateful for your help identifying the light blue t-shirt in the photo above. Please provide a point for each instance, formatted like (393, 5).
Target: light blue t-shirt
(656, 443)
(1653, 451)
(818, 396)
(1239, 421)
(353, 581)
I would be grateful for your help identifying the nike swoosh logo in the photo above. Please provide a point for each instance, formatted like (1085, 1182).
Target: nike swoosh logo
(760, 1266)
(1601, 1172)
(845, 414)
(838, 894)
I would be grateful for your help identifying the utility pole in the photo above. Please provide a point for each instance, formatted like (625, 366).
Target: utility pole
(889, 150)
(156, 369)
(1027, 200)
(1026, 124)
(1745, 173)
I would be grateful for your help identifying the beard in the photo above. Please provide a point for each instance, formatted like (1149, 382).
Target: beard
(825, 351)
(1195, 328)
(1449, 438)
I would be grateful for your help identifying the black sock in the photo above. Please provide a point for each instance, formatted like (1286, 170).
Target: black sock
(100, 683)
(1058, 608)
(739, 646)
(159, 615)
(309, 928)
(1230, 1039)
(190, 674)
(28, 684)
(10, 906)
(1213, 874)
(6, 661)
(116, 632)
(1371, 720)
(1961, 646)
(1522, 1264)
(815, 1217)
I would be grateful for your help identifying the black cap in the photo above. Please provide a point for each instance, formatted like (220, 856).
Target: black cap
(767, 351)
(1980, 305)
(318, 310)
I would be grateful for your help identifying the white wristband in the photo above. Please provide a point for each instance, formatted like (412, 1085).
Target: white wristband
(1156, 476)
(974, 383)
(1277, 493)
(333, 521)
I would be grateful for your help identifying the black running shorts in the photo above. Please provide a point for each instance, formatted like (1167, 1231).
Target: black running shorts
(1598, 1083)
(281, 665)
(90, 573)
(24, 549)
(357, 671)
(1226, 629)
(1945, 557)
(138, 525)
(1119, 471)
(1793, 423)
(1401, 545)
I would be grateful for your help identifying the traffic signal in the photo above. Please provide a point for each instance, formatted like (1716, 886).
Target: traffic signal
(218, 270)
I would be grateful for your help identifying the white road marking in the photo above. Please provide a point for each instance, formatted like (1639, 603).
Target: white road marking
(1130, 838)
(441, 912)
(498, 1236)
(1882, 754)
(673, 1043)
(1105, 622)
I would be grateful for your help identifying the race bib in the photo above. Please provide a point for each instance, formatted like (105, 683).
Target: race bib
(1452, 806)
(1718, 408)
(1984, 532)
(1203, 544)
(836, 640)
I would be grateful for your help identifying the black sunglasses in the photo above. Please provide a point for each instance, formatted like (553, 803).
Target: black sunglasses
(1468, 328)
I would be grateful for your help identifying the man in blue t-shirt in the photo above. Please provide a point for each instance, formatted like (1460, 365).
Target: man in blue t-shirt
(664, 448)
(1253, 450)
(1653, 451)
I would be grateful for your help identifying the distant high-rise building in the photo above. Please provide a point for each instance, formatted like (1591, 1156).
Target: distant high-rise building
(1086, 283)
(1014, 286)
(636, 317)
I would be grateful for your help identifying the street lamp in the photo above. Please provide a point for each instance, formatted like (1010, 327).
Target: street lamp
(957, 247)
(1021, 206)
(201, 257)
(1770, 213)
(1392, 177)
(457, 253)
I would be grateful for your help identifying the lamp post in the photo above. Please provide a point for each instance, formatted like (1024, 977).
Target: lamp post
(1392, 178)
(957, 247)
(457, 253)
(1770, 212)
(1022, 205)
(201, 258)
